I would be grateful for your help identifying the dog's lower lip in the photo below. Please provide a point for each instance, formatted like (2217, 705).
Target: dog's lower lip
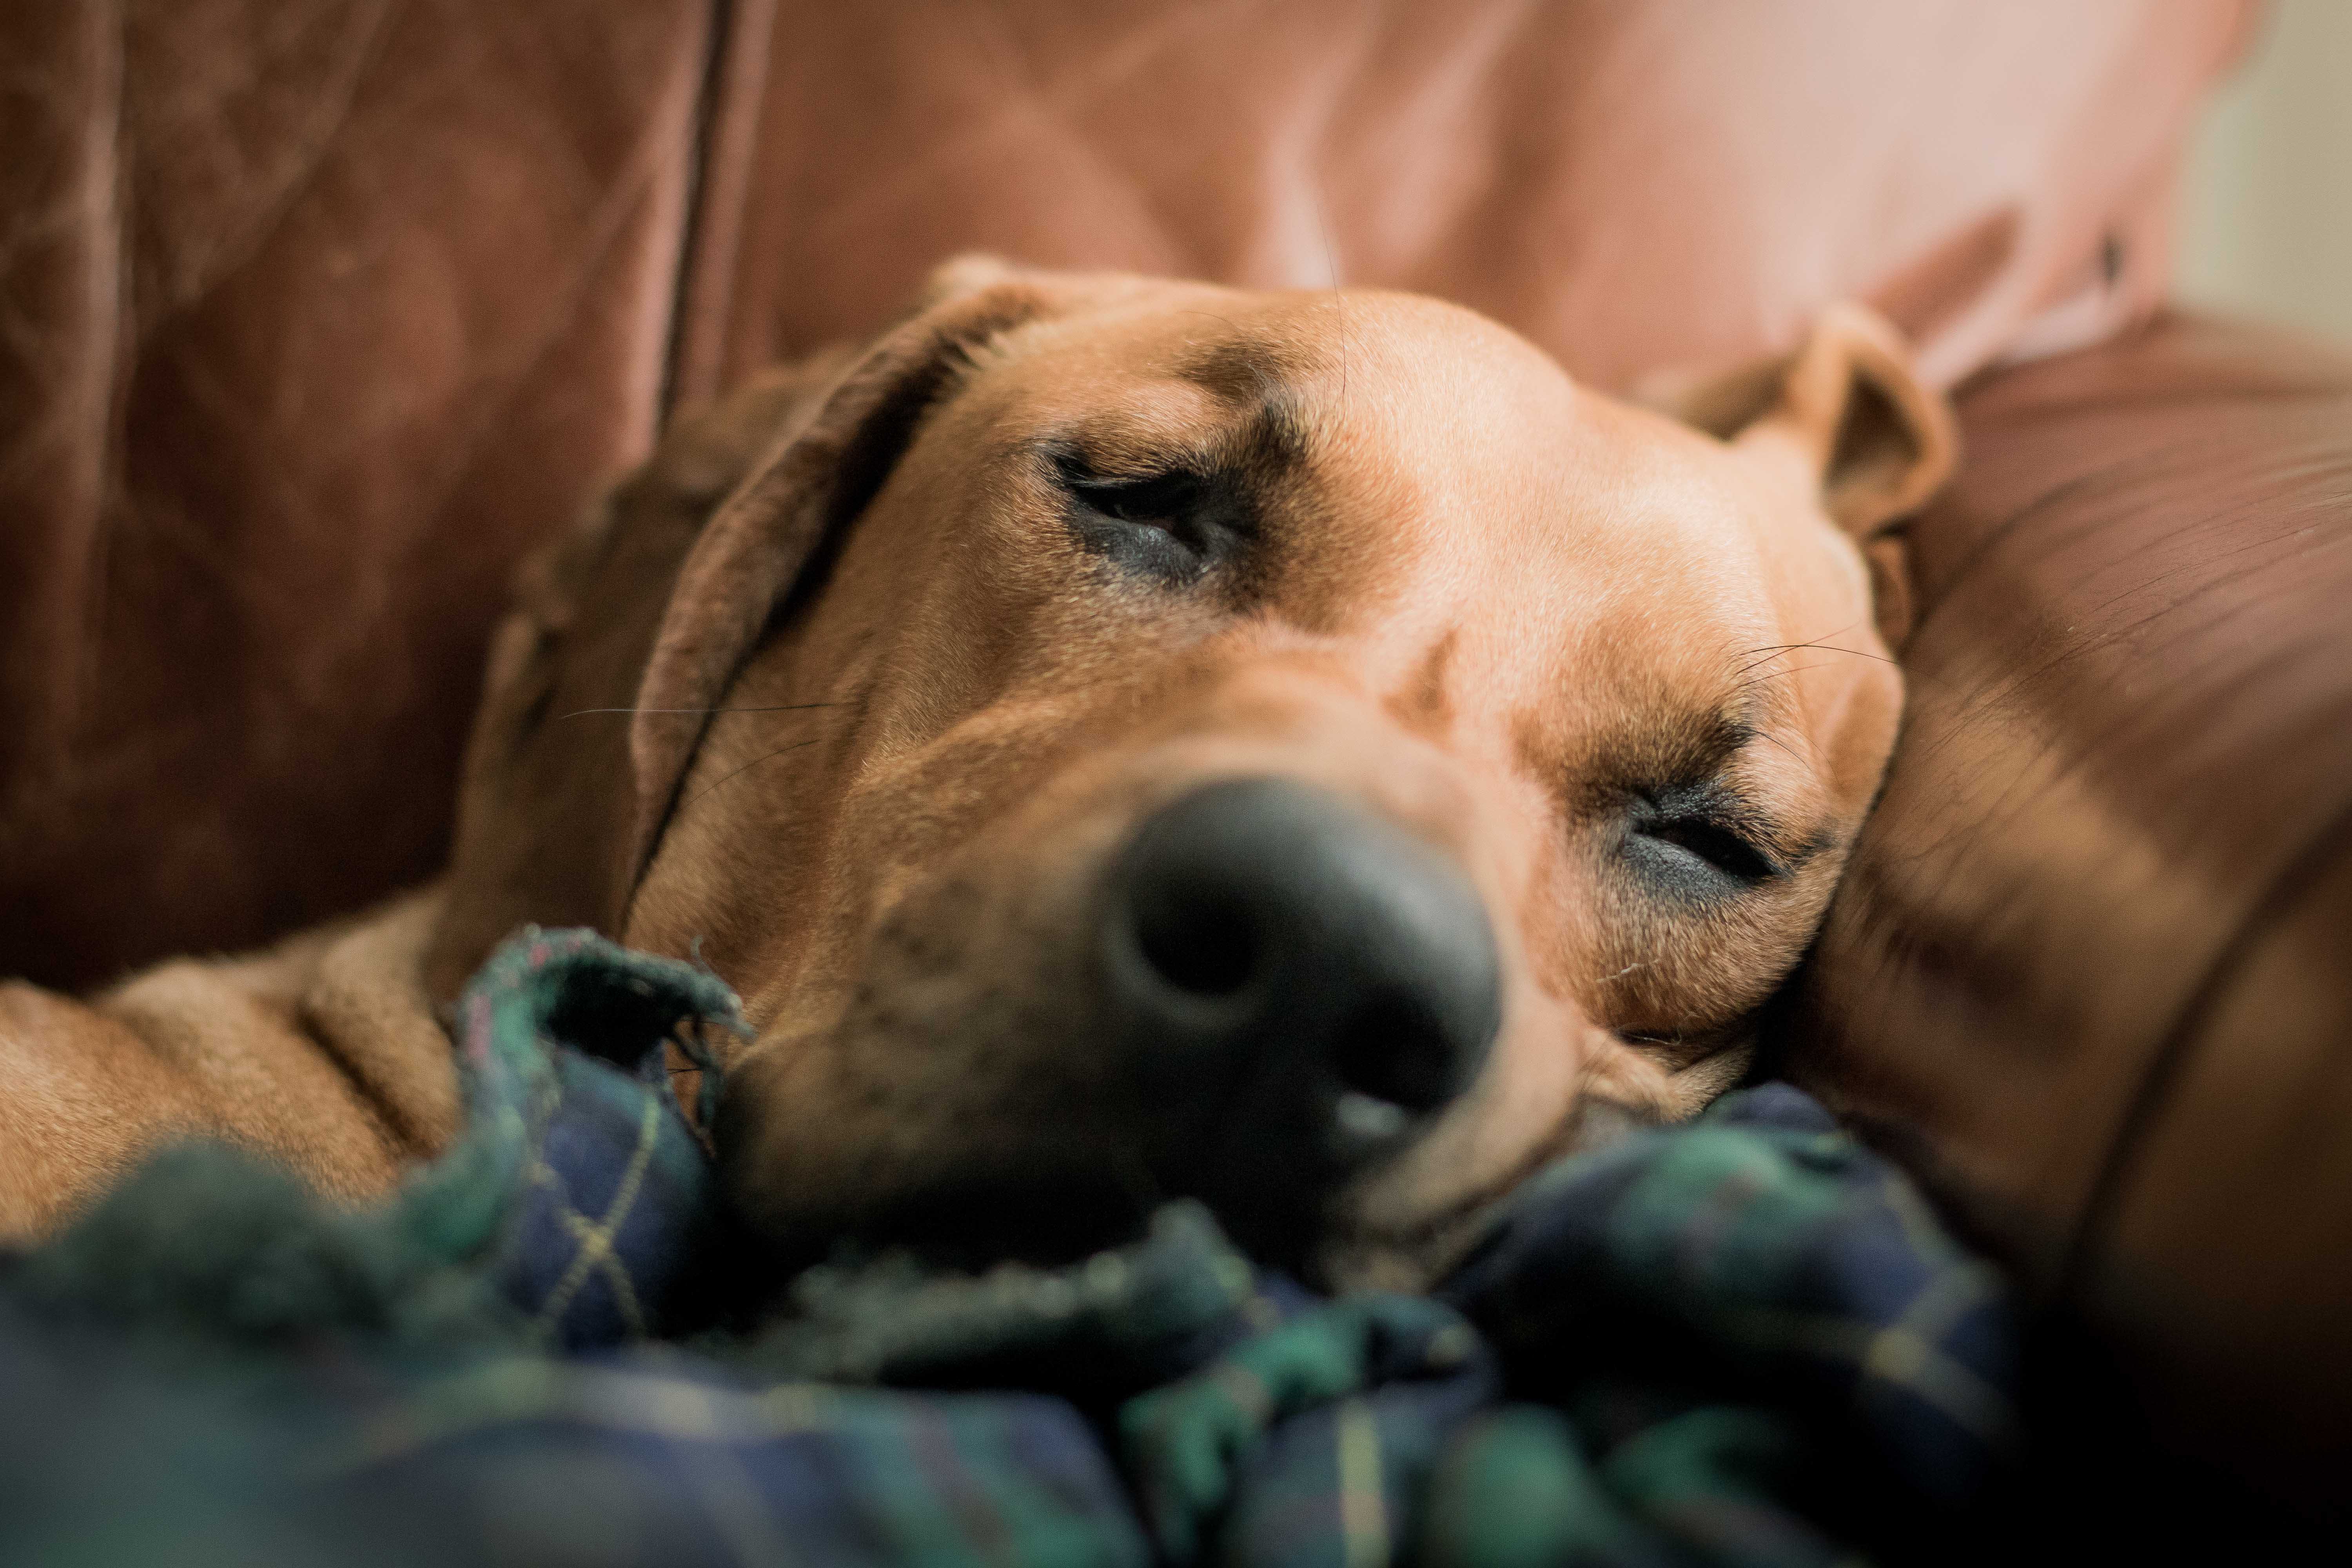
(1473, 1210)
(1364, 1125)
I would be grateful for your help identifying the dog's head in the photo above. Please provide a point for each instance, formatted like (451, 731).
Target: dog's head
(1126, 739)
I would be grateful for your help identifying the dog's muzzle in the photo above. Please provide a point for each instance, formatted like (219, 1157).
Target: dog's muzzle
(1301, 986)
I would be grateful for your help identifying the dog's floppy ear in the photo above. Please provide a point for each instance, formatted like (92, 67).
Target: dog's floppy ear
(629, 632)
(1878, 440)
(546, 800)
(778, 532)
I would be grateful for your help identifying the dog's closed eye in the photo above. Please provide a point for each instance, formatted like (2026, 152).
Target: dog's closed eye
(1697, 847)
(1171, 527)
(1675, 842)
(1159, 500)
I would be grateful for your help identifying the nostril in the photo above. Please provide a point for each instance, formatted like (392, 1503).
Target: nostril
(1393, 1050)
(1298, 985)
(1197, 941)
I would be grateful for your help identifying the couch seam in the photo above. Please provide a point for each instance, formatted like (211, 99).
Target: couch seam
(2191, 1027)
(737, 98)
(123, 361)
(718, 41)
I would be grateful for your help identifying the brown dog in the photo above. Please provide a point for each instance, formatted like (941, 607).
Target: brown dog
(1125, 737)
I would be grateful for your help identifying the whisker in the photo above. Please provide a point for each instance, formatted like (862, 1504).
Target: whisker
(1774, 650)
(779, 708)
(747, 767)
(1911, 673)
(1779, 675)
(1212, 315)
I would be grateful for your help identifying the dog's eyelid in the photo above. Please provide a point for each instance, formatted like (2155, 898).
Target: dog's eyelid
(1087, 474)
(1169, 484)
(1714, 821)
(1727, 849)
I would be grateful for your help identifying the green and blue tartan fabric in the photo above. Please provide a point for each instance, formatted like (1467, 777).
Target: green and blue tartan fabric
(610, 1209)
(1741, 1342)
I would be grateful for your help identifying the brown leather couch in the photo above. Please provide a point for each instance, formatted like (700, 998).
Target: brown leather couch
(2091, 971)
(315, 314)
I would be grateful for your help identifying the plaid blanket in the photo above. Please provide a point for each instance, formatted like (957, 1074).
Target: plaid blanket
(1745, 1340)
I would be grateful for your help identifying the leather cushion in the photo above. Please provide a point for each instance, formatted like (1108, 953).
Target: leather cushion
(2092, 964)
(318, 315)
(1635, 187)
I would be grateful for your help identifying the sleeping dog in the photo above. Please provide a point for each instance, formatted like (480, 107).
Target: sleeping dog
(1126, 739)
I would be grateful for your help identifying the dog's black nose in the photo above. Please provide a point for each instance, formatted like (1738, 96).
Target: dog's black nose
(1300, 981)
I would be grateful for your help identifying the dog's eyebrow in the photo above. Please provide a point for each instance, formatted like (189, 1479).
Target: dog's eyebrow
(1696, 745)
(1704, 748)
(1260, 379)
(1243, 370)
(1692, 753)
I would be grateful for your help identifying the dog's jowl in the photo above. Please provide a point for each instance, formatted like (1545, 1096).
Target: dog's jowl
(1128, 738)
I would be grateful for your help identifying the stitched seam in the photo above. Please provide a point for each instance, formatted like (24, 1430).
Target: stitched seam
(2169, 1063)
(735, 118)
(720, 26)
(120, 329)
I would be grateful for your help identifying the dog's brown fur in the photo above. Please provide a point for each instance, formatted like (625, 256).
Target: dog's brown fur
(833, 696)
